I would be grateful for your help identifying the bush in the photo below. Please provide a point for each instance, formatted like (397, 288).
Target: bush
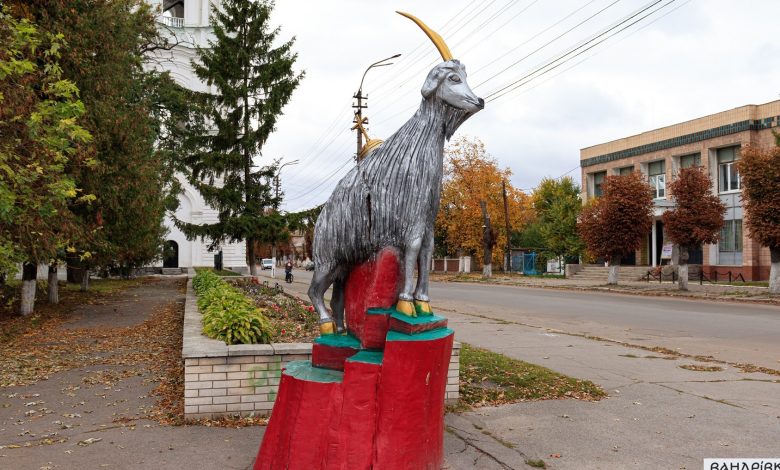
(227, 314)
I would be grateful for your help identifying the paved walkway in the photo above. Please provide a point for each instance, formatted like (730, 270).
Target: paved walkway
(95, 413)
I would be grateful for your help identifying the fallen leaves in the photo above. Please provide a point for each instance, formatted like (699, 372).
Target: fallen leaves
(90, 441)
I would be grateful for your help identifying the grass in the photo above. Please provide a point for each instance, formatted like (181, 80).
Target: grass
(491, 379)
(536, 463)
(743, 283)
(218, 272)
(700, 368)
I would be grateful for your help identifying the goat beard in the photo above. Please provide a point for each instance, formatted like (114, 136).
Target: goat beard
(455, 117)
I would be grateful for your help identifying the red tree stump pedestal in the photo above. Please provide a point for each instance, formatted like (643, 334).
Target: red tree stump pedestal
(358, 407)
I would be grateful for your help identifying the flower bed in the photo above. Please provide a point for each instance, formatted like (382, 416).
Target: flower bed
(292, 320)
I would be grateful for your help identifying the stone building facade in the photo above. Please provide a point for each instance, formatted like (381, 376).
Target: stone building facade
(713, 142)
(187, 24)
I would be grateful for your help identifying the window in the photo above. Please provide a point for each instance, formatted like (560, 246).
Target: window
(626, 170)
(688, 161)
(728, 176)
(730, 244)
(657, 178)
(598, 183)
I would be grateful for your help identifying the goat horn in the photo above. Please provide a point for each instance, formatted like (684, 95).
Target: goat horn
(432, 35)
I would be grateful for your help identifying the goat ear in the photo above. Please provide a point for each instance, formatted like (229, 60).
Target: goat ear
(432, 82)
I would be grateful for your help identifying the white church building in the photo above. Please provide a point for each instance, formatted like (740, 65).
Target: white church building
(188, 22)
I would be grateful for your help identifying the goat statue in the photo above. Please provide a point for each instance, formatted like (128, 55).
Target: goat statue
(391, 197)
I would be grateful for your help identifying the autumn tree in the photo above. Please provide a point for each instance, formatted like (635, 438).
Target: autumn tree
(128, 110)
(39, 138)
(697, 217)
(471, 175)
(251, 72)
(613, 225)
(759, 170)
(557, 205)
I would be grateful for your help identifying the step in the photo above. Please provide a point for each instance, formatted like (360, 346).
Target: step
(330, 351)
(413, 325)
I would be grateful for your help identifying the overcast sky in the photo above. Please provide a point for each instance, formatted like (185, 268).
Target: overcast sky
(702, 57)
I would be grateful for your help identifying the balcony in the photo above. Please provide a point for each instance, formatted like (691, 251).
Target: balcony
(172, 21)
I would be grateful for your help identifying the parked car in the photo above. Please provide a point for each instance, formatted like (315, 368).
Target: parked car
(267, 263)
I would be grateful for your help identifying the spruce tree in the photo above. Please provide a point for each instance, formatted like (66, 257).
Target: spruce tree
(253, 79)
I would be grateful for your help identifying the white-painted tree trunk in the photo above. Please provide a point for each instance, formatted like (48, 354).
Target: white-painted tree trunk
(774, 271)
(683, 268)
(85, 280)
(487, 270)
(54, 293)
(29, 275)
(683, 272)
(614, 268)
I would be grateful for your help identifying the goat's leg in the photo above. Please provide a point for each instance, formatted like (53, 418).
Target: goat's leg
(337, 302)
(421, 300)
(405, 298)
(320, 282)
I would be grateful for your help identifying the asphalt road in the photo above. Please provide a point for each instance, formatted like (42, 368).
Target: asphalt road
(730, 331)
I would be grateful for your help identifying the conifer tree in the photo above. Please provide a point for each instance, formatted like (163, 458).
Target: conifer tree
(252, 75)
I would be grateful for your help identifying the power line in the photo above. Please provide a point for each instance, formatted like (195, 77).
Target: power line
(533, 37)
(600, 51)
(548, 66)
(548, 43)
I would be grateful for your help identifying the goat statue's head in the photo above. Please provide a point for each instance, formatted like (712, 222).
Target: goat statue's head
(447, 82)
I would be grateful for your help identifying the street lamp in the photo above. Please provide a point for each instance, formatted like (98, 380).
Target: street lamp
(279, 171)
(359, 97)
(273, 242)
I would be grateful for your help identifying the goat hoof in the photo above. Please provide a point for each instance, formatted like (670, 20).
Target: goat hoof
(422, 307)
(406, 307)
(327, 328)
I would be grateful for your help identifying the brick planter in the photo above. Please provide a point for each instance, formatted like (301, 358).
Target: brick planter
(244, 378)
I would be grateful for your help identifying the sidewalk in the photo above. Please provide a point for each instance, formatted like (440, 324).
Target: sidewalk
(658, 414)
(709, 291)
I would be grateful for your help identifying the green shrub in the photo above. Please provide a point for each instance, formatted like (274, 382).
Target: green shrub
(228, 315)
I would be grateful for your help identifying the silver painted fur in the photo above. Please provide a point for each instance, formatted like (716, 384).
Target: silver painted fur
(391, 198)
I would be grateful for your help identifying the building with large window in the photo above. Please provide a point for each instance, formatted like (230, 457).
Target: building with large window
(713, 142)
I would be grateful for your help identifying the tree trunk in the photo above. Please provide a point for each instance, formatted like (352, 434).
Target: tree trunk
(683, 265)
(250, 243)
(774, 271)
(84, 279)
(614, 267)
(487, 270)
(54, 293)
(29, 275)
(273, 258)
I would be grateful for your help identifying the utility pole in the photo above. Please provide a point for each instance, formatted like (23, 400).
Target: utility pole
(359, 120)
(487, 242)
(359, 106)
(508, 258)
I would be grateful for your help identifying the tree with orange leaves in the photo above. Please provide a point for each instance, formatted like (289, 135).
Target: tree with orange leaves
(471, 175)
(613, 225)
(759, 170)
(697, 217)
